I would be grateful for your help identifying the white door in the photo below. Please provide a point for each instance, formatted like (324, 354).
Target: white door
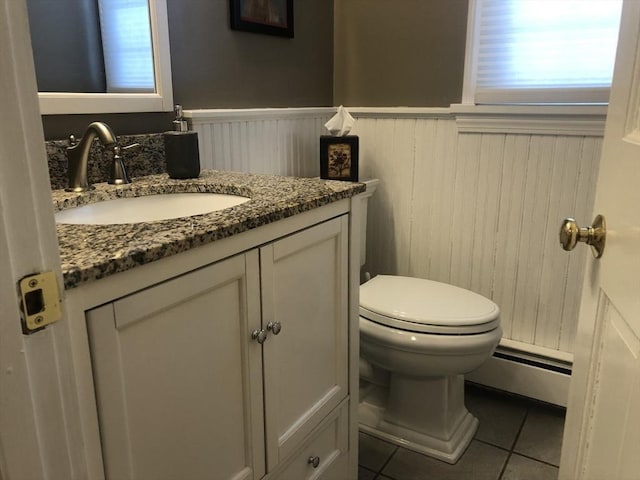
(602, 432)
(34, 440)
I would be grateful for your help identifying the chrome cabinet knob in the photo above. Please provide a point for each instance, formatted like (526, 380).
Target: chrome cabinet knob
(274, 327)
(314, 461)
(259, 336)
(594, 235)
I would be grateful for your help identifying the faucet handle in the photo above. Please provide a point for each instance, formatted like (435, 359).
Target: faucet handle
(73, 141)
(118, 171)
(128, 147)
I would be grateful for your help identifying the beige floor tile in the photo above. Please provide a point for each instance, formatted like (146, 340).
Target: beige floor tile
(374, 453)
(522, 468)
(541, 435)
(479, 462)
(364, 474)
(500, 415)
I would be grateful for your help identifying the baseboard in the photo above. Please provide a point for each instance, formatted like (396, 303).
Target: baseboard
(547, 383)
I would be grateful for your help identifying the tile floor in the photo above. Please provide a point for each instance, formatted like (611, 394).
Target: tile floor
(518, 439)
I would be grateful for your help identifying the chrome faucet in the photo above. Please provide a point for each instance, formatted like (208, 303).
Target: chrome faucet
(78, 157)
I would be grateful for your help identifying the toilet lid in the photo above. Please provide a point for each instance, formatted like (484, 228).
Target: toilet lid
(420, 305)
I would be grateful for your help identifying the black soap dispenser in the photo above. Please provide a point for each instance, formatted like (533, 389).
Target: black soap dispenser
(181, 149)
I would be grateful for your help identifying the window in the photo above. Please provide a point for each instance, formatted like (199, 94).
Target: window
(541, 51)
(126, 45)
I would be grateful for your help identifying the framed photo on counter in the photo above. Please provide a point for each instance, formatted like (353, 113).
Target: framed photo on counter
(339, 158)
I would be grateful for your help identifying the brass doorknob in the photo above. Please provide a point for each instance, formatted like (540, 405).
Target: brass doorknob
(594, 235)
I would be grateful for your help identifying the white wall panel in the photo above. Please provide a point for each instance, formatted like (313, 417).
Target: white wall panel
(478, 210)
(485, 213)
(275, 141)
(421, 215)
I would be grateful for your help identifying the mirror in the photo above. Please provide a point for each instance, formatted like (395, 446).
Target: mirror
(90, 75)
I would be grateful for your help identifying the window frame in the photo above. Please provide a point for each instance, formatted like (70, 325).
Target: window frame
(161, 100)
(569, 119)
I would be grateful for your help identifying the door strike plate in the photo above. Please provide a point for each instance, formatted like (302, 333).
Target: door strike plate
(40, 300)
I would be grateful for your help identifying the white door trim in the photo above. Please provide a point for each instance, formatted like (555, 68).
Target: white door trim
(33, 433)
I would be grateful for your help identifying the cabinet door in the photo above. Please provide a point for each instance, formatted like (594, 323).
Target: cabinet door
(178, 379)
(305, 289)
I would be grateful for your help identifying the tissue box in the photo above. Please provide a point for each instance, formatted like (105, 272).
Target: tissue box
(339, 157)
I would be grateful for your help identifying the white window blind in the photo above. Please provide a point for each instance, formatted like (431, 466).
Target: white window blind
(126, 44)
(543, 51)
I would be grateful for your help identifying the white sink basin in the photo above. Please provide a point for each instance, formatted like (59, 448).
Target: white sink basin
(148, 208)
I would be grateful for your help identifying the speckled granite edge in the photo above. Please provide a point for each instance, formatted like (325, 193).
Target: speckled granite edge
(91, 252)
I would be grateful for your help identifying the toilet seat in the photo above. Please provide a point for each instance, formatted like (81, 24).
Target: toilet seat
(425, 306)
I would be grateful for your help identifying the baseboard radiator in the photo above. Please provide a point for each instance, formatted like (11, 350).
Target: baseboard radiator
(536, 373)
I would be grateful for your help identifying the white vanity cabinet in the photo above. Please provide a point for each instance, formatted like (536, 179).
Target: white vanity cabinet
(305, 293)
(235, 370)
(178, 386)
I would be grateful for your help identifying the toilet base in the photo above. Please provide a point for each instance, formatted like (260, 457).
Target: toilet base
(432, 420)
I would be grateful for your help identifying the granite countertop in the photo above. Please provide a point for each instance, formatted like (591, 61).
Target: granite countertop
(91, 252)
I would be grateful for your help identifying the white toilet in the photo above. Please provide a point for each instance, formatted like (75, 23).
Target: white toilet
(417, 340)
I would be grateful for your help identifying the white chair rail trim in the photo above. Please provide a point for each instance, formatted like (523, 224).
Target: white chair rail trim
(582, 120)
(210, 115)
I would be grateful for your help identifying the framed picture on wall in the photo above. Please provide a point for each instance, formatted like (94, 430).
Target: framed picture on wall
(339, 158)
(273, 17)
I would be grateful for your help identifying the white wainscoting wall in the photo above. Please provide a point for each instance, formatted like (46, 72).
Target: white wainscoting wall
(483, 211)
(477, 210)
(279, 141)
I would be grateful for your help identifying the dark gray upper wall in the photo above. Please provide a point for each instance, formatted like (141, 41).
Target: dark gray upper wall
(387, 53)
(216, 67)
(399, 53)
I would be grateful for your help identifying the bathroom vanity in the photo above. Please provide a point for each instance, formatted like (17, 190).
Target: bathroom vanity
(218, 346)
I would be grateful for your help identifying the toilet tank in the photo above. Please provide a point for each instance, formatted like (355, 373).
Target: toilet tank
(372, 185)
